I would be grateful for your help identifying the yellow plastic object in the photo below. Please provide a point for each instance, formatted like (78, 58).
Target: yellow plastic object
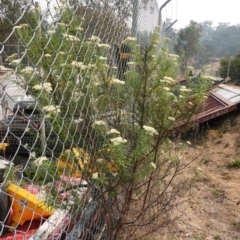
(26, 206)
(3, 146)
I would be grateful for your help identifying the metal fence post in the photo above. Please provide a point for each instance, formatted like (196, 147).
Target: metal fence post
(160, 20)
(135, 18)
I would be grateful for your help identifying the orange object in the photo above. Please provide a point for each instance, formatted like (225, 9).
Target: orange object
(3, 146)
(26, 206)
(70, 168)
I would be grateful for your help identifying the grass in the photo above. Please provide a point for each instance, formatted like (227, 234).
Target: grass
(235, 164)
(235, 224)
(217, 237)
(199, 236)
(218, 192)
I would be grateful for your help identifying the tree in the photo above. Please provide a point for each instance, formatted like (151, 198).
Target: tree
(13, 12)
(230, 67)
(188, 43)
(131, 163)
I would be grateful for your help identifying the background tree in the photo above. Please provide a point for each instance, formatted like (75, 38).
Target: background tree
(227, 37)
(14, 12)
(188, 43)
(230, 66)
(207, 48)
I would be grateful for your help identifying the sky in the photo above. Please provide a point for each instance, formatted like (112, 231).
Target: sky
(198, 10)
(201, 10)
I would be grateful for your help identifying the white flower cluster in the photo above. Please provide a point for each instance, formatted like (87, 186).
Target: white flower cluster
(118, 140)
(150, 130)
(79, 29)
(61, 24)
(51, 108)
(9, 58)
(91, 66)
(167, 80)
(71, 37)
(102, 58)
(105, 46)
(185, 89)
(27, 70)
(21, 26)
(113, 131)
(50, 32)
(95, 39)
(78, 65)
(130, 39)
(173, 56)
(156, 42)
(117, 81)
(47, 55)
(15, 62)
(166, 88)
(171, 119)
(153, 165)
(98, 123)
(46, 86)
(17, 27)
(75, 96)
(99, 160)
(95, 175)
(40, 160)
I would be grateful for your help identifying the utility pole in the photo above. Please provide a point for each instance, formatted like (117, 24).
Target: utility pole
(229, 66)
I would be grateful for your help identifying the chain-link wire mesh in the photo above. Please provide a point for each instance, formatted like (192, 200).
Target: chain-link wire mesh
(51, 56)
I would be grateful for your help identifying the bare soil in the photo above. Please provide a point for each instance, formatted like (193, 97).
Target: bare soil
(211, 209)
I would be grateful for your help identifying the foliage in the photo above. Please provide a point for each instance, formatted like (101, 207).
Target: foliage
(41, 172)
(230, 66)
(121, 8)
(99, 18)
(188, 43)
(217, 41)
(13, 12)
(235, 164)
(125, 124)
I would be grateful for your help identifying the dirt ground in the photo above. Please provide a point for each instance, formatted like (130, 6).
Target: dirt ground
(211, 210)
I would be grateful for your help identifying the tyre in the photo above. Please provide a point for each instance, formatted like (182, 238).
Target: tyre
(4, 208)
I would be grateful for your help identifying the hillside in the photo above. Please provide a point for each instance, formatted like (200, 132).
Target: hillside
(211, 210)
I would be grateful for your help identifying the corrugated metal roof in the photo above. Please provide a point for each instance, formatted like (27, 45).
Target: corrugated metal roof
(221, 100)
(228, 92)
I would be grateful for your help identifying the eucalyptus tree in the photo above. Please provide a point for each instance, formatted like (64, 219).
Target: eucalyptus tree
(187, 44)
(230, 67)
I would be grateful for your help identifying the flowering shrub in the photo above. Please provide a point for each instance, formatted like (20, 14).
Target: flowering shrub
(127, 122)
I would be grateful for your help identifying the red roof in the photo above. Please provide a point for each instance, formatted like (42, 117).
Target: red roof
(221, 100)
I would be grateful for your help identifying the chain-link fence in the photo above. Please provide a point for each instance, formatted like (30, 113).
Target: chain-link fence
(53, 55)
